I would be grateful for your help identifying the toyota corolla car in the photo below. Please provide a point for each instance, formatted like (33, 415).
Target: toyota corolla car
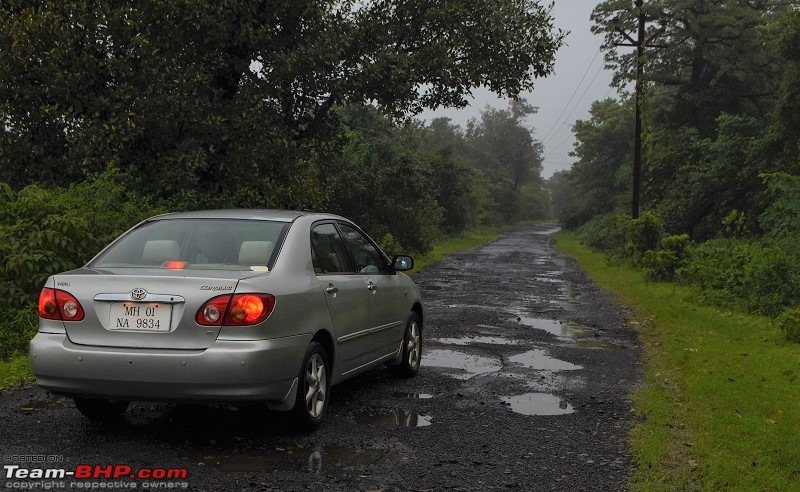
(227, 306)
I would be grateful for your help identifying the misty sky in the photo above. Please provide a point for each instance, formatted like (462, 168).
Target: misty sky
(578, 70)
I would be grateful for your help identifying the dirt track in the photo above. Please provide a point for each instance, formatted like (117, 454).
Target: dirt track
(526, 369)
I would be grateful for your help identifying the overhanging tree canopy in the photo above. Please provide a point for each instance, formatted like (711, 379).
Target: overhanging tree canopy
(207, 94)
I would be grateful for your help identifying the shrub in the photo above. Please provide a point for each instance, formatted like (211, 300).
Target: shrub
(46, 231)
(608, 233)
(662, 264)
(789, 322)
(644, 234)
(16, 331)
(759, 276)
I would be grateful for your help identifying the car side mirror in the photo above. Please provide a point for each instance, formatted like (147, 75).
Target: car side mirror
(402, 263)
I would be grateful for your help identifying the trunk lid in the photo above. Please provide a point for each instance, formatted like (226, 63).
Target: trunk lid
(145, 308)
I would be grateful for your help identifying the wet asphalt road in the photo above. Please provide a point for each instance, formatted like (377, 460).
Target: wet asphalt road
(526, 370)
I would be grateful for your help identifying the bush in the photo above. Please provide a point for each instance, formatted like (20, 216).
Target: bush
(759, 276)
(644, 234)
(16, 331)
(46, 231)
(662, 264)
(608, 233)
(789, 322)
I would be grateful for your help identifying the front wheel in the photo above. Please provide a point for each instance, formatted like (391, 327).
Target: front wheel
(412, 349)
(314, 388)
(100, 409)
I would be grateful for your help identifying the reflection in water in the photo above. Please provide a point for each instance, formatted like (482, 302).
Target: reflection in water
(558, 328)
(601, 344)
(471, 364)
(538, 360)
(471, 340)
(572, 291)
(396, 418)
(331, 460)
(538, 404)
(413, 396)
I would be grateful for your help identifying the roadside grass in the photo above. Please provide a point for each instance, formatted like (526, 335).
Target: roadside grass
(451, 246)
(719, 407)
(15, 372)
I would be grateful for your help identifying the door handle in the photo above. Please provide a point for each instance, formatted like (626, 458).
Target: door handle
(372, 287)
(332, 289)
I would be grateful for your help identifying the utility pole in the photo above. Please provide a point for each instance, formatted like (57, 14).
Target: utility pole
(639, 43)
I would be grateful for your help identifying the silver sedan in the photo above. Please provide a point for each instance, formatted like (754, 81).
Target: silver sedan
(227, 306)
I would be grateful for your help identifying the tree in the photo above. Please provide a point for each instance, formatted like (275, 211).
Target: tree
(192, 95)
(500, 145)
(604, 148)
(784, 35)
(710, 56)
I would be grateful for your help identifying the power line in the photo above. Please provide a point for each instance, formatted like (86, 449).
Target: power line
(573, 111)
(577, 87)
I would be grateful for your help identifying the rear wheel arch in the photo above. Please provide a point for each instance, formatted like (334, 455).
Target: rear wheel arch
(324, 338)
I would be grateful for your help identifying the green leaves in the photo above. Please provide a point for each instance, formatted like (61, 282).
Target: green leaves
(211, 96)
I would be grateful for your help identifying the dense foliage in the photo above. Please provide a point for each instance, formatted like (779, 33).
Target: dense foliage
(721, 169)
(114, 111)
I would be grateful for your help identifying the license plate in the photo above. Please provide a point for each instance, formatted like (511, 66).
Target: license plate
(140, 316)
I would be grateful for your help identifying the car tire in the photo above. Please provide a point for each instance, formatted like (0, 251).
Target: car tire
(412, 349)
(313, 391)
(99, 409)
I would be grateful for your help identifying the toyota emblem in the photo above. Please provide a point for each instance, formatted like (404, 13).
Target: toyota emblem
(138, 294)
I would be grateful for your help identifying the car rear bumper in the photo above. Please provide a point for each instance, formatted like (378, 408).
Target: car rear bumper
(257, 370)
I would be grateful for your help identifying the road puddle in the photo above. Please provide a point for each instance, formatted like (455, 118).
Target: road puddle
(549, 280)
(50, 403)
(471, 365)
(412, 396)
(538, 360)
(472, 340)
(572, 291)
(600, 344)
(538, 404)
(324, 460)
(395, 418)
(563, 329)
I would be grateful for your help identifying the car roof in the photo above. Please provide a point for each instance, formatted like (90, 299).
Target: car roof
(252, 214)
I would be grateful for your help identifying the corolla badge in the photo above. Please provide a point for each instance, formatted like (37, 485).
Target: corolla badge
(138, 294)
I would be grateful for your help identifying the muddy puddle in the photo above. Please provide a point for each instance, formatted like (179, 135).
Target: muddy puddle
(563, 329)
(49, 403)
(412, 396)
(549, 280)
(395, 418)
(322, 460)
(538, 360)
(473, 340)
(600, 344)
(572, 291)
(469, 365)
(538, 404)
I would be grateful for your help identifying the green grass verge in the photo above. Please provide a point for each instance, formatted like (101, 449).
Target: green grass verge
(453, 245)
(719, 407)
(15, 372)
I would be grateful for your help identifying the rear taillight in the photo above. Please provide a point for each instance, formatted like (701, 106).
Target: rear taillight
(235, 310)
(60, 305)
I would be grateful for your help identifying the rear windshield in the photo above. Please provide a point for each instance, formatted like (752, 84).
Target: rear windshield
(208, 244)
